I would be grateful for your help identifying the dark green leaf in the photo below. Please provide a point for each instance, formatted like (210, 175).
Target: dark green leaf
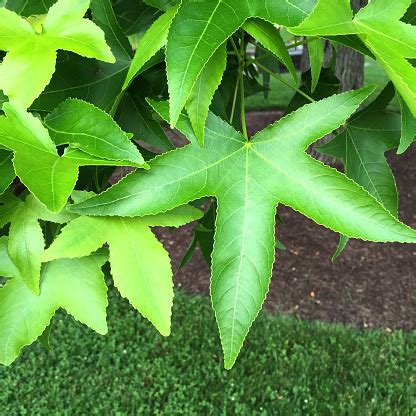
(162, 4)
(134, 115)
(7, 173)
(29, 7)
(134, 16)
(408, 126)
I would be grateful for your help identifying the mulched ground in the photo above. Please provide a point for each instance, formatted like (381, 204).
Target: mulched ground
(370, 285)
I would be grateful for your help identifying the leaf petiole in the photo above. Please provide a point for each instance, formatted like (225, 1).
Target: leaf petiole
(235, 98)
(241, 69)
(301, 42)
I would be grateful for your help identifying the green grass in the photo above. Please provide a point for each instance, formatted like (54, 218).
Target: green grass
(280, 95)
(288, 367)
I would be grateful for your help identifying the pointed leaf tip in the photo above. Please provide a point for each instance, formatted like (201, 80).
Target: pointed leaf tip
(64, 28)
(248, 182)
(140, 265)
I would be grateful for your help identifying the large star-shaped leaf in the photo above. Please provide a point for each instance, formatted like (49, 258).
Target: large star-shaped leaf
(249, 179)
(94, 138)
(392, 41)
(76, 285)
(31, 48)
(140, 266)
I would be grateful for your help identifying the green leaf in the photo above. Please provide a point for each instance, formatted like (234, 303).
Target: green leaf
(343, 241)
(249, 179)
(13, 30)
(408, 126)
(26, 241)
(410, 15)
(7, 173)
(362, 146)
(153, 40)
(83, 126)
(26, 245)
(381, 102)
(8, 205)
(134, 115)
(184, 123)
(65, 28)
(328, 85)
(29, 7)
(7, 267)
(336, 21)
(354, 42)
(316, 50)
(162, 4)
(76, 285)
(94, 81)
(45, 338)
(48, 176)
(378, 25)
(269, 36)
(139, 264)
(203, 91)
(42, 213)
(134, 16)
(203, 236)
(280, 246)
(200, 28)
(32, 50)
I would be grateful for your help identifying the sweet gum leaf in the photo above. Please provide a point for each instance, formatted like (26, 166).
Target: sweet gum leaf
(391, 40)
(50, 177)
(76, 285)
(86, 127)
(31, 53)
(249, 179)
(139, 264)
(200, 28)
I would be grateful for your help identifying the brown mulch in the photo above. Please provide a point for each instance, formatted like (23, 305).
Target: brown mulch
(370, 285)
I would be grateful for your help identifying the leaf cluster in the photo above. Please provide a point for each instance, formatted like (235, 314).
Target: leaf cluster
(88, 89)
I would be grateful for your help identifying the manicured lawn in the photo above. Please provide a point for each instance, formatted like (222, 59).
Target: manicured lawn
(288, 367)
(280, 95)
